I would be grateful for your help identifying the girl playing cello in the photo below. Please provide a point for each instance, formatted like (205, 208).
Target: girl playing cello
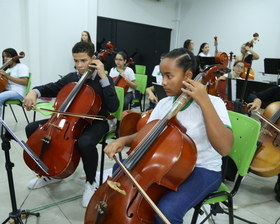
(126, 73)
(207, 123)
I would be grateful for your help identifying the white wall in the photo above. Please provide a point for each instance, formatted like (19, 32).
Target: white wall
(47, 30)
(234, 23)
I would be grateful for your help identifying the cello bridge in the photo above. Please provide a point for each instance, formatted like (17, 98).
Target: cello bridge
(115, 186)
(266, 132)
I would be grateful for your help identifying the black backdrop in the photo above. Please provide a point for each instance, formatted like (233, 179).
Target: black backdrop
(145, 42)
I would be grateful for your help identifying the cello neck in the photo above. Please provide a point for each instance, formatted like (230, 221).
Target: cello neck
(66, 104)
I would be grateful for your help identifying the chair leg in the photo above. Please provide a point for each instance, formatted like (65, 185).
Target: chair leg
(25, 114)
(195, 215)
(12, 112)
(102, 160)
(34, 116)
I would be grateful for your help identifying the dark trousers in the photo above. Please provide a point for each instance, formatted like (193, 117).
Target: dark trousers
(87, 144)
(127, 99)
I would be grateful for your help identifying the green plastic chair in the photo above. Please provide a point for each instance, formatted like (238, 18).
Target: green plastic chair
(43, 105)
(246, 132)
(17, 102)
(140, 69)
(113, 134)
(141, 87)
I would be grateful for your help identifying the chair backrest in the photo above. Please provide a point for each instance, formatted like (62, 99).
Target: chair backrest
(246, 132)
(141, 82)
(120, 93)
(29, 83)
(140, 69)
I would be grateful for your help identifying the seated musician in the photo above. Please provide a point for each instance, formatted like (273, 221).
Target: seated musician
(17, 75)
(103, 86)
(237, 69)
(247, 54)
(206, 121)
(150, 90)
(255, 101)
(126, 73)
(222, 84)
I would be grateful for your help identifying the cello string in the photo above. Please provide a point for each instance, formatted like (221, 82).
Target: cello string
(142, 146)
(268, 121)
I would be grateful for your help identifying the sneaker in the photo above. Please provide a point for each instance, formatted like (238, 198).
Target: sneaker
(89, 191)
(234, 207)
(42, 181)
(106, 174)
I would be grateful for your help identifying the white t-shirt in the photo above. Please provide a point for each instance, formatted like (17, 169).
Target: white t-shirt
(192, 119)
(204, 55)
(18, 71)
(129, 73)
(156, 73)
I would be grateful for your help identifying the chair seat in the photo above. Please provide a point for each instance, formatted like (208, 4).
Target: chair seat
(45, 105)
(222, 188)
(13, 102)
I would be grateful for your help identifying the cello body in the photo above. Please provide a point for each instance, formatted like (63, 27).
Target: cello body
(59, 135)
(162, 168)
(120, 82)
(266, 162)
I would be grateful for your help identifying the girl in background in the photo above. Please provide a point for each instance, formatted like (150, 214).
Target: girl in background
(126, 73)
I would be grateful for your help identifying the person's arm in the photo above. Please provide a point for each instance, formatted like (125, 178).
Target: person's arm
(151, 96)
(220, 136)
(255, 99)
(255, 105)
(30, 100)
(22, 75)
(110, 97)
(254, 54)
(118, 145)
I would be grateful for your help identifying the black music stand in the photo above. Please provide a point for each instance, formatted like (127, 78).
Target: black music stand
(206, 61)
(272, 66)
(16, 213)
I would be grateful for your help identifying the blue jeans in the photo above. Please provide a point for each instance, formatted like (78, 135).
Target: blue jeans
(194, 189)
(9, 95)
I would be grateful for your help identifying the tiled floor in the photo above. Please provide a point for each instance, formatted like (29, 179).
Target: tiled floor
(61, 202)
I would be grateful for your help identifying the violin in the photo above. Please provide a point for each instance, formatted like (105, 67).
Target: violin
(55, 142)
(266, 162)
(155, 167)
(247, 66)
(3, 80)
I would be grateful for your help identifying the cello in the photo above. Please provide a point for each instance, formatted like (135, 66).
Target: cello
(266, 162)
(55, 142)
(221, 88)
(3, 80)
(213, 71)
(153, 165)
